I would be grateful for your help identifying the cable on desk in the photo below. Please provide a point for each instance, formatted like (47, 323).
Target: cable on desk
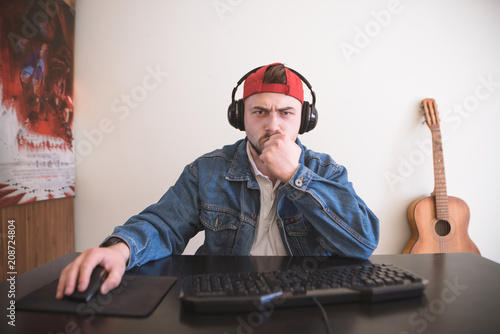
(325, 317)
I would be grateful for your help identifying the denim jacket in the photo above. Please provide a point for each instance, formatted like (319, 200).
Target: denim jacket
(318, 211)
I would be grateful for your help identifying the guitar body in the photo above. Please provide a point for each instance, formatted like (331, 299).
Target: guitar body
(431, 235)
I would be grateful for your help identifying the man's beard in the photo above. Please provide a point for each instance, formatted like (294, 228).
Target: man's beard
(256, 149)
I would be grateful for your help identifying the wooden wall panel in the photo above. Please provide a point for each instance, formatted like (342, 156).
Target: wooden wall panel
(44, 231)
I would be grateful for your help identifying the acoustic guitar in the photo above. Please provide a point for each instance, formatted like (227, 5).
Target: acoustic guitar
(439, 223)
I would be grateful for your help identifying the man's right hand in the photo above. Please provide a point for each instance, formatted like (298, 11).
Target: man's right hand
(77, 273)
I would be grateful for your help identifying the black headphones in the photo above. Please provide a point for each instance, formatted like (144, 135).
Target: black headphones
(236, 109)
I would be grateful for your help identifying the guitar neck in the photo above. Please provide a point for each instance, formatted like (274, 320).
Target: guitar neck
(440, 192)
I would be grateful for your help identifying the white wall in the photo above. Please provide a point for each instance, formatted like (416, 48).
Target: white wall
(370, 63)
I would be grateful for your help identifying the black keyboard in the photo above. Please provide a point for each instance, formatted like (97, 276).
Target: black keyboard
(247, 291)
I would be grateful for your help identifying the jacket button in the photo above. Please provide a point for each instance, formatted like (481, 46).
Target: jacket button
(254, 215)
(298, 182)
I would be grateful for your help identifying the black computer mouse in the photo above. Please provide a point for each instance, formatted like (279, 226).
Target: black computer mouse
(98, 276)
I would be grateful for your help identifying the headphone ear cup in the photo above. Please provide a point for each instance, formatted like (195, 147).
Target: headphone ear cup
(232, 114)
(235, 113)
(309, 118)
(304, 123)
(313, 118)
(241, 114)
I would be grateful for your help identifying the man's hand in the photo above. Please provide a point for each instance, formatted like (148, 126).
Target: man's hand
(281, 156)
(113, 259)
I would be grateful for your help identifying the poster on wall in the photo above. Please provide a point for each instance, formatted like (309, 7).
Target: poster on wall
(36, 94)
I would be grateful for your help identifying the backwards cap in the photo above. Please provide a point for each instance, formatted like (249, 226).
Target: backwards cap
(254, 84)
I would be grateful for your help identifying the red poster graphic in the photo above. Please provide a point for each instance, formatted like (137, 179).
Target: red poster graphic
(36, 93)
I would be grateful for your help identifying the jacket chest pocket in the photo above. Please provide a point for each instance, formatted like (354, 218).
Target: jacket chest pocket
(221, 229)
(301, 235)
(296, 226)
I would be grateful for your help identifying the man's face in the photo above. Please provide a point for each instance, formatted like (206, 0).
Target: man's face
(270, 113)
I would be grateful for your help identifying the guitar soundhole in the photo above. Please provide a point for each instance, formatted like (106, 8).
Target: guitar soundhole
(442, 228)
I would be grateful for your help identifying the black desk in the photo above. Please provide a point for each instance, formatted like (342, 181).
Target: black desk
(463, 296)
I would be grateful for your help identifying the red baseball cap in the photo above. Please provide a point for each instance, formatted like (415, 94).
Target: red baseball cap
(254, 85)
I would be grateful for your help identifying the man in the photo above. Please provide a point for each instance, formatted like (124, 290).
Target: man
(266, 194)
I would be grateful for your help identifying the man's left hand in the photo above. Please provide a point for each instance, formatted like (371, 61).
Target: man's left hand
(281, 156)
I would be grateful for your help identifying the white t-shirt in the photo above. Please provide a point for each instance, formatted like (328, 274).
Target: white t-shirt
(267, 237)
